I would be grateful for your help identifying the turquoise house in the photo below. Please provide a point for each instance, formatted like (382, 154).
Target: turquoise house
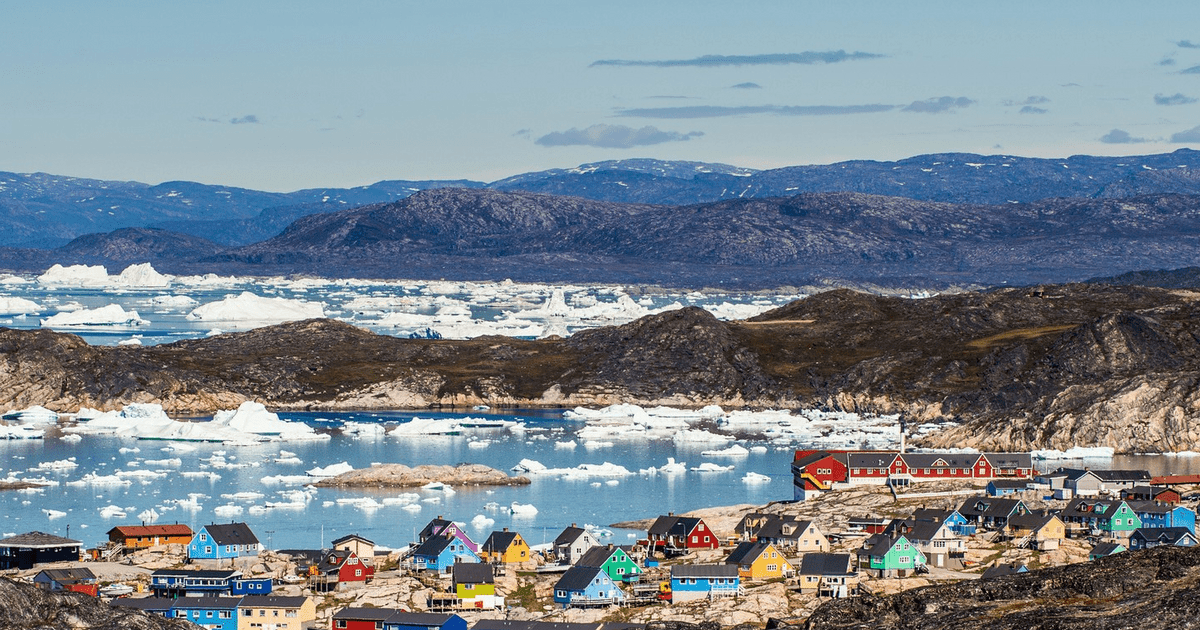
(214, 613)
(888, 556)
(1112, 517)
(614, 561)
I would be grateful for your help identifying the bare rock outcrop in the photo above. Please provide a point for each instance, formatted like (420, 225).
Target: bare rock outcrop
(401, 476)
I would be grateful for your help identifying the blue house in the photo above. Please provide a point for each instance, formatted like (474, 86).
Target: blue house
(958, 523)
(1157, 515)
(1005, 487)
(439, 553)
(1147, 537)
(424, 621)
(588, 586)
(701, 581)
(218, 542)
(214, 613)
(172, 583)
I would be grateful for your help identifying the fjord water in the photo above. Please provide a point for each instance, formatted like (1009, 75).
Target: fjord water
(559, 502)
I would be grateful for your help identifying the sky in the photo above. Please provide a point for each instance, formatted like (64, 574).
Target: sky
(288, 95)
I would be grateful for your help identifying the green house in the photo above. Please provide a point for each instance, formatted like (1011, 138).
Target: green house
(614, 561)
(1108, 516)
(887, 556)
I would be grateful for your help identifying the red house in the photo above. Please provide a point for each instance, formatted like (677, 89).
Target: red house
(677, 534)
(339, 566)
(361, 618)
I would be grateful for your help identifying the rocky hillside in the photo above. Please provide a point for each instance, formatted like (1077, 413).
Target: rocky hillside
(1151, 588)
(27, 606)
(1048, 367)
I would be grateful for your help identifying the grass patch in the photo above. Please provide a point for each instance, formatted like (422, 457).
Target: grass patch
(986, 343)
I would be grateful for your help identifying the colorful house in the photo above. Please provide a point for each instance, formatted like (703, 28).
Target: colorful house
(586, 586)
(759, 560)
(572, 543)
(80, 580)
(273, 612)
(1005, 487)
(1043, 532)
(991, 512)
(888, 556)
(1111, 517)
(679, 534)
(1151, 493)
(792, 534)
(218, 542)
(1155, 514)
(442, 527)
(827, 574)
(704, 581)
(23, 551)
(440, 553)
(957, 522)
(337, 567)
(814, 472)
(504, 547)
(211, 613)
(941, 546)
(173, 583)
(613, 560)
(1145, 537)
(363, 548)
(474, 586)
(146, 536)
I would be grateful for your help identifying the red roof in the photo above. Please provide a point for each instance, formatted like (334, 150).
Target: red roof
(130, 531)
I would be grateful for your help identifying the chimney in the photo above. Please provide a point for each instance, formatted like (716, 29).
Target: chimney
(505, 529)
(670, 514)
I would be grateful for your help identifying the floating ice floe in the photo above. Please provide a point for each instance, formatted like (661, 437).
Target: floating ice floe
(21, 432)
(248, 309)
(708, 467)
(753, 478)
(113, 511)
(249, 424)
(700, 436)
(110, 315)
(228, 510)
(148, 516)
(736, 450)
(173, 301)
(331, 470)
(418, 427)
(18, 306)
(31, 415)
(53, 514)
(582, 471)
(92, 479)
(62, 464)
(1076, 452)
(363, 429)
(75, 276)
(568, 445)
(672, 467)
(481, 522)
(523, 509)
(253, 418)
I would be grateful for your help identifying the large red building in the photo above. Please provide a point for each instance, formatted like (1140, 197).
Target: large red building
(814, 472)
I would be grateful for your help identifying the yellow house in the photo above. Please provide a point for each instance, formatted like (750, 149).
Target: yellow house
(1039, 531)
(504, 547)
(273, 612)
(475, 586)
(759, 560)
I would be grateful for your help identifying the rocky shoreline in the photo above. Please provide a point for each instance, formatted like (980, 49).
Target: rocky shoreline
(401, 476)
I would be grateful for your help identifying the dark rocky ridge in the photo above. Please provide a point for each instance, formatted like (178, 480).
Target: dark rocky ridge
(28, 606)
(1137, 589)
(1047, 367)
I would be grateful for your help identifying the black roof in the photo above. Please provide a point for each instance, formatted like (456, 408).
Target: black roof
(1123, 475)
(1164, 535)
(425, 620)
(365, 614)
(1031, 521)
(1001, 570)
(578, 578)
(153, 604)
(1009, 483)
(931, 514)
(434, 527)
(499, 541)
(941, 460)
(223, 603)
(746, 552)
(231, 534)
(596, 556)
(351, 537)
(512, 624)
(703, 570)
(271, 601)
(879, 544)
(569, 535)
(69, 576)
(671, 525)
(825, 564)
(775, 526)
(472, 573)
(1105, 549)
(988, 506)
(1010, 460)
(433, 546)
(38, 540)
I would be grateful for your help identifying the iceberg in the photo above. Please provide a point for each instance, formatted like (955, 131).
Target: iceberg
(75, 276)
(248, 308)
(18, 306)
(736, 450)
(111, 315)
(753, 478)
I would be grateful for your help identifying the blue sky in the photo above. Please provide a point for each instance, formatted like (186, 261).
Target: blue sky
(289, 95)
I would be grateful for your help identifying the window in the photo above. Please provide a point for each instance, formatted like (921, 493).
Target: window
(560, 594)
(225, 614)
(203, 537)
(695, 538)
(207, 549)
(339, 623)
(824, 471)
(772, 567)
(358, 573)
(904, 559)
(262, 612)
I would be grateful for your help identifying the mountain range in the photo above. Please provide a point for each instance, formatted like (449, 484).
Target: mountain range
(935, 220)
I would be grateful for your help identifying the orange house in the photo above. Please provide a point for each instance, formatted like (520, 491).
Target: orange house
(145, 536)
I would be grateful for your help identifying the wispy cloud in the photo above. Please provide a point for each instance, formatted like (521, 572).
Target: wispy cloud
(716, 111)
(1183, 43)
(808, 57)
(1120, 136)
(747, 86)
(1192, 70)
(938, 105)
(1166, 61)
(1032, 100)
(614, 137)
(1030, 109)
(1191, 135)
(1174, 99)
(249, 119)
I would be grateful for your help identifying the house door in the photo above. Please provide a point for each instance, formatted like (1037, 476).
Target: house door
(940, 560)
